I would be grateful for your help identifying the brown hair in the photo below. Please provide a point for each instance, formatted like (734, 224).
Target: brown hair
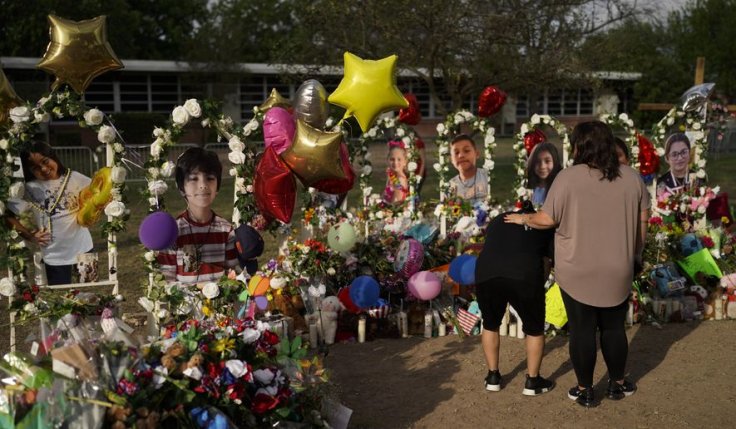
(674, 138)
(594, 145)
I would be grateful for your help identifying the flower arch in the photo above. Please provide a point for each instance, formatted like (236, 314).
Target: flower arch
(451, 127)
(26, 122)
(534, 123)
(623, 121)
(690, 123)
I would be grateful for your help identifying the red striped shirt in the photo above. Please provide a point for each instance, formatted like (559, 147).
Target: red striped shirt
(203, 251)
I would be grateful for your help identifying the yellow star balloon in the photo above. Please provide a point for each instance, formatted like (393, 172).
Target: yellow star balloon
(275, 99)
(314, 154)
(78, 52)
(8, 98)
(368, 88)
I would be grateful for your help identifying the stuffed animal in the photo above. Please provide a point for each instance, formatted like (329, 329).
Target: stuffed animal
(291, 306)
(415, 316)
(331, 307)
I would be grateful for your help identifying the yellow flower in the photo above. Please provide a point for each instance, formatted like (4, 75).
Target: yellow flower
(456, 210)
(724, 220)
(224, 344)
(207, 311)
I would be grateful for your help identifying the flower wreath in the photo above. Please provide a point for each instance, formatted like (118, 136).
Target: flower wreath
(26, 122)
(450, 128)
(379, 131)
(522, 192)
(158, 167)
(686, 121)
(623, 121)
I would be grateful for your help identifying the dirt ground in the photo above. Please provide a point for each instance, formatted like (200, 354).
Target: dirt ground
(685, 374)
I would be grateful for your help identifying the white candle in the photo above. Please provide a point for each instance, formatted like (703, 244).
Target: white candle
(361, 330)
(630, 314)
(442, 330)
(718, 304)
(313, 336)
(512, 329)
(39, 269)
(404, 321)
(519, 329)
(428, 325)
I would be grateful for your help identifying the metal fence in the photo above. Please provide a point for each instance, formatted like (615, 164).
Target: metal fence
(78, 158)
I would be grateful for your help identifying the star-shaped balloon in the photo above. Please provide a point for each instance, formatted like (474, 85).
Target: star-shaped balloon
(78, 52)
(275, 99)
(275, 188)
(8, 97)
(314, 154)
(368, 89)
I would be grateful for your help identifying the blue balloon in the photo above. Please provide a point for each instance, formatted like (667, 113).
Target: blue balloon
(462, 269)
(364, 291)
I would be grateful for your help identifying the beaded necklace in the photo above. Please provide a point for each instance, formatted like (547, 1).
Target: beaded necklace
(48, 211)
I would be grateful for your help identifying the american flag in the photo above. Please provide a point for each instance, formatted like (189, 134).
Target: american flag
(467, 320)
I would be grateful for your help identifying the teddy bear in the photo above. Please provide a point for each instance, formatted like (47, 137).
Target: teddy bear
(330, 309)
(291, 306)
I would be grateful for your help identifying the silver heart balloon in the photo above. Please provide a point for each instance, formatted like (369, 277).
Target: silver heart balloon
(310, 103)
(695, 97)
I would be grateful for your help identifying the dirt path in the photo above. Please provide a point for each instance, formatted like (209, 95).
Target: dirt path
(685, 373)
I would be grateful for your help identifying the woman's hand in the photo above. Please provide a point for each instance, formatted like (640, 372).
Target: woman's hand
(42, 237)
(515, 218)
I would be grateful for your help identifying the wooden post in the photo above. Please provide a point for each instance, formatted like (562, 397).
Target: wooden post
(699, 70)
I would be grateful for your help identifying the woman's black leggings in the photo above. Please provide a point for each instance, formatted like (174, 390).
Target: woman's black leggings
(583, 321)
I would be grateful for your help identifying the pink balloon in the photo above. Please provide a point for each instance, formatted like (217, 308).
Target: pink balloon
(425, 285)
(278, 129)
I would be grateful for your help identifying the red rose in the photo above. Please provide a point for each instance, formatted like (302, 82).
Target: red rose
(263, 403)
(271, 338)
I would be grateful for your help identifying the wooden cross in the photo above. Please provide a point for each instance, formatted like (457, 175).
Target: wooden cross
(699, 76)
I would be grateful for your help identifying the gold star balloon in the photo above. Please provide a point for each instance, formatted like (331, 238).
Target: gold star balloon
(78, 52)
(8, 98)
(368, 88)
(314, 154)
(275, 99)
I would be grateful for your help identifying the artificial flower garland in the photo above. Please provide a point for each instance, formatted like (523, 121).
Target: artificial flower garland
(623, 121)
(522, 192)
(689, 122)
(451, 127)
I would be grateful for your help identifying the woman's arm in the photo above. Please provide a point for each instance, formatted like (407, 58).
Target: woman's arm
(538, 220)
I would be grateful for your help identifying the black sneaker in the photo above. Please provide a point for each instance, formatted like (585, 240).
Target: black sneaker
(584, 397)
(537, 385)
(620, 391)
(493, 381)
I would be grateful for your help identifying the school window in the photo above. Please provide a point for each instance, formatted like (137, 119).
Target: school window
(164, 93)
(134, 93)
(101, 94)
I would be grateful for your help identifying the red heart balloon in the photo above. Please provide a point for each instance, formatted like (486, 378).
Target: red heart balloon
(339, 186)
(532, 139)
(275, 187)
(344, 296)
(490, 101)
(410, 115)
(648, 159)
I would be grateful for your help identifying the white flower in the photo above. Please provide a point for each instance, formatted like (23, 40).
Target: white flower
(236, 367)
(118, 148)
(20, 114)
(250, 335)
(156, 148)
(162, 314)
(146, 303)
(379, 215)
(700, 174)
(41, 117)
(437, 166)
(440, 128)
(331, 271)
(240, 185)
(210, 290)
(115, 209)
(630, 122)
(251, 126)
(205, 123)
(167, 168)
(17, 190)
(264, 376)
(367, 156)
(153, 202)
(118, 174)
(698, 135)
(521, 192)
(367, 169)
(400, 132)
(180, 116)
(489, 164)
(697, 126)
(236, 157)
(443, 149)
(670, 121)
(193, 372)
(106, 134)
(4, 144)
(93, 117)
(367, 191)
(30, 308)
(490, 138)
(524, 129)
(158, 132)
(634, 151)
(7, 287)
(701, 209)
(233, 172)
(192, 108)
(701, 163)
(411, 166)
(372, 133)
(235, 144)
(157, 187)
(249, 189)
(623, 117)
(153, 172)
(305, 250)
(406, 141)
(660, 151)
(535, 119)
(277, 282)
(149, 256)
(493, 213)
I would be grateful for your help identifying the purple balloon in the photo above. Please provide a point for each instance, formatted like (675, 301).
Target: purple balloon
(158, 231)
(278, 129)
(425, 285)
(261, 301)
